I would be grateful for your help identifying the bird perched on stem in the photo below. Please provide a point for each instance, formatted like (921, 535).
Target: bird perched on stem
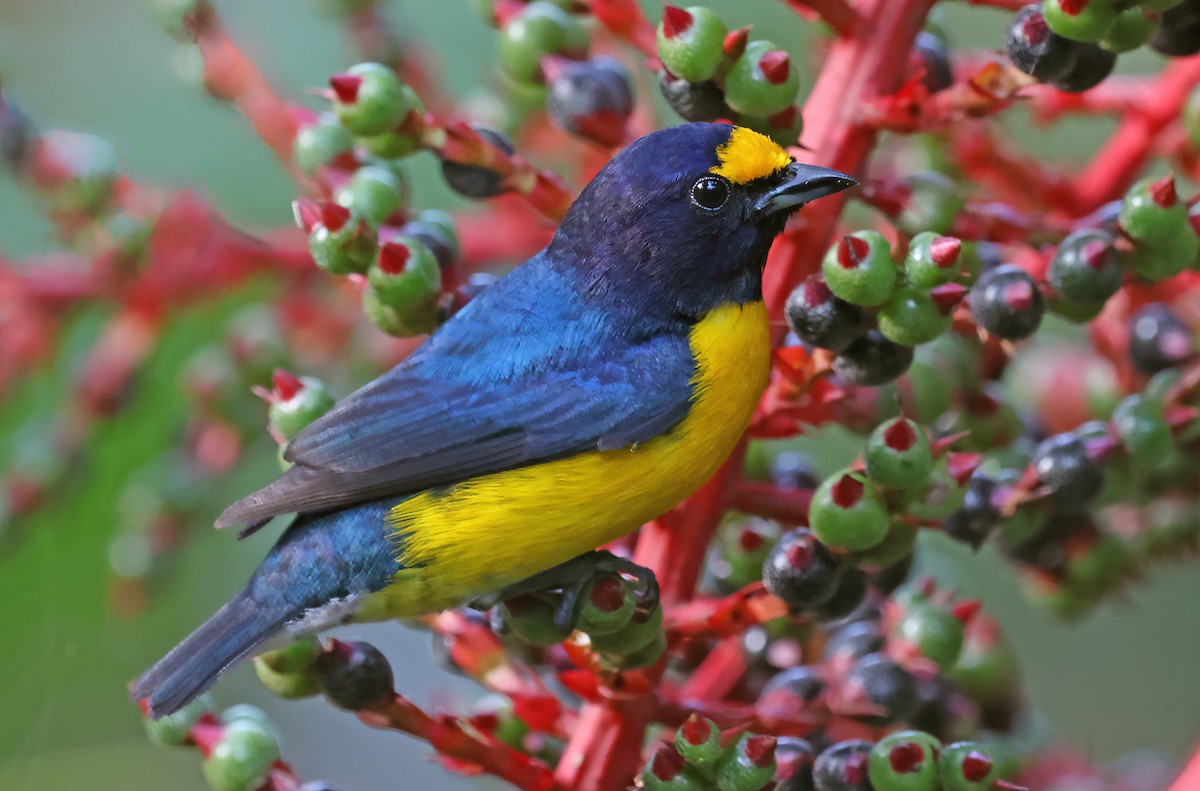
(588, 391)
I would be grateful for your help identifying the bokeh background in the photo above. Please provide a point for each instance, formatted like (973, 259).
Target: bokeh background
(1123, 680)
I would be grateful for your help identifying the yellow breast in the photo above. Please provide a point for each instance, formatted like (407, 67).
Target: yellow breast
(491, 531)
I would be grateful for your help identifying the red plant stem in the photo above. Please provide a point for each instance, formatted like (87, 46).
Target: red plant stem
(1189, 778)
(1115, 167)
(772, 502)
(860, 69)
(838, 14)
(448, 737)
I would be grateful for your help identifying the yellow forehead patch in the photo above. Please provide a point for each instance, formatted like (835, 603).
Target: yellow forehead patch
(748, 155)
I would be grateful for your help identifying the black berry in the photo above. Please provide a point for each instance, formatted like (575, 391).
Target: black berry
(888, 688)
(1179, 33)
(354, 675)
(1006, 302)
(851, 592)
(1034, 48)
(1072, 476)
(693, 101)
(794, 759)
(872, 360)
(790, 692)
(1091, 67)
(476, 181)
(1085, 268)
(821, 319)
(1159, 339)
(794, 470)
(801, 570)
(854, 641)
(931, 54)
(591, 99)
(843, 767)
(974, 520)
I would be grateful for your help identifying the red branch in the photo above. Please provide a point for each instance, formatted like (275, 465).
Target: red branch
(838, 14)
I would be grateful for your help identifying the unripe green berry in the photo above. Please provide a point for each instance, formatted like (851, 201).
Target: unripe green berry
(531, 618)
(540, 29)
(941, 497)
(406, 278)
(698, 740)
(643, 657)
(1151, 211)
(898, 455)
(1080, 20)
(241, 760)
(399, 140)
(369, 99)
(934, 631)
(606, 606)
(932, 260)
(321, 142)
(244, 711)
(172, 729)
(904, 761)
(1130, 30)
(296, 403)
(642, 631)
(1085, 268)
(846, 513)
(287, 672)
(289, 686)
(374, 194)
(763, 80)
(1140, 423)
(298, 656)
(667, 771)
(860, 269)
(913, 315)
(749, 766)
(690, 42)
(337, 242)
(967, 766)
(932, 204)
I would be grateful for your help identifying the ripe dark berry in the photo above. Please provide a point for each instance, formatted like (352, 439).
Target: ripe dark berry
(854, 641)
(794, 758)
(1034, 48)
(930, 54)
(801, 570)
(1085, 268)
(974, 520)
(1005, 301)
(905, 761)
(888, 689)
(821, 319)
(872, 360)
(794, 470)
(1065, 468)
(591, 99)
(354, 675)
(477, 181)
(843, 767)
(1159, 339)
(693, 101)
(790, 693)
(851, 592)
(1179, 33)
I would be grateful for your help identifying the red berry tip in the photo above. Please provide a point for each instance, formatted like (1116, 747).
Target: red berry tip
(286, 384)
(784, 118)
(307, 213)
(334, 216)
(906, 757)
(393, 257)
(1095, 255)
(750, 539)
(944, 251)
(1019, 295)
(607, 594)
(946, 297)
(735, 42)
(345, 87)
(852, 251)
(1163, 192)
(854, 771)
(799, 556)
(776, 66)
(847, 491)
(975, 766)
(675, 21)
(760, 750)
(982, 405)
(900, 436)
(967, 609)
(962, 466)
(1073, 7)
(816, 292)
(696, 730)
(1034, 30)
(926, 585)
(667, 763)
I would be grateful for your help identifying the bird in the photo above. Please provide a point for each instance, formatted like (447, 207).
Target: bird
(586, 392)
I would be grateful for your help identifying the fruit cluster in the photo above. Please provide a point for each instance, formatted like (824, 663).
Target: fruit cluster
(709, 72)
(1073, 44)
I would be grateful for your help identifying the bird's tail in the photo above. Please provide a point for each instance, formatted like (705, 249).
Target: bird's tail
(194, 665)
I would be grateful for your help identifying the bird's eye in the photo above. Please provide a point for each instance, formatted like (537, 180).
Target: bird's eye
(710, 192)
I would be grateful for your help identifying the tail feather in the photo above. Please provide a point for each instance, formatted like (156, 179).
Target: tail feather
(195, 664)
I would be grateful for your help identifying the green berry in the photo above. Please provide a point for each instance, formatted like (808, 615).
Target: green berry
(369, 99)
(933, 204)
(967, 766)
(287, 685)
(642, 631)
(320, 143)
(373, 194)
(296, 402)
(1166, 256)
(531, 618)
(905, 761)
(1151, 211)
(896, 546)
(698, 740)
(941, 497)
(645, 656)
(298, 656)
(172, 730)
(934, 631)
(932, 260)
(337, 242)
(244, 711)
(540, 29)
(860, 269)
(607, 606)
(763, 80)
(690, 42)
(846, 513)
(1131, 29)
(1085, 268)
(1080, 20)
(667, 771)
(898, 455)
(400, 140)
(749, 766)
(1142, 427)
(406, 278)
(241, 760)
(913, 315)
(394, 322)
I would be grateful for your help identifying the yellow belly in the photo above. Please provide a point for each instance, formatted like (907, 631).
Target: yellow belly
(492, 531)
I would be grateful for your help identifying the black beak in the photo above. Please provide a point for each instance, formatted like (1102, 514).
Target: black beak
(801, 184)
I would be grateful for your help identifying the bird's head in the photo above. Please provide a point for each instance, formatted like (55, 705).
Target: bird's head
(683, 217)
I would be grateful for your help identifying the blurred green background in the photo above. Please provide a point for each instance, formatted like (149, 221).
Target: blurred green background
(1122, 680)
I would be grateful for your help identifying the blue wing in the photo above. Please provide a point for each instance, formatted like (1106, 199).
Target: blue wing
(507, 382)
